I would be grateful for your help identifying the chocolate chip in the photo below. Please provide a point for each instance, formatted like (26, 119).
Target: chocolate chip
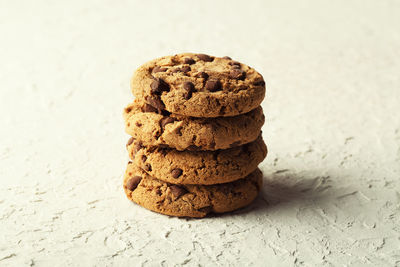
(158, 191)
(138, 146)
(149, 108)
(259, 83)
(138, 124)
(147, 167)
(177, 191)
(165, 112)
(205, 57)
(213, 85)
(237, 74)
(130, 141)
(163, 151)
(155, 102)
(187, 95)
(178, 131)
(159, 69)
(151, 149)
(186, 69)
(133, 182)
(202, 75)
(176, 172)
(164, 121)
(226, 57)
(188, 86)
(144, 158)
(189, 61)
(158, 86)
(127, 110)
(234, 63)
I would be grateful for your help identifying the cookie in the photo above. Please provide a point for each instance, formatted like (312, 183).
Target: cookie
(199, 85)
(198, 167)
(189, 200)
(144, 123)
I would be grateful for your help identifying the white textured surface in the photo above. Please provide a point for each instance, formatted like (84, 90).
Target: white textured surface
(333, 128)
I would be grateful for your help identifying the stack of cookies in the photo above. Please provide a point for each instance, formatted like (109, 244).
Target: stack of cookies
(196, 135)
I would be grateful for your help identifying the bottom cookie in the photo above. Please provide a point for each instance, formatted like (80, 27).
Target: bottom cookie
(189, 200)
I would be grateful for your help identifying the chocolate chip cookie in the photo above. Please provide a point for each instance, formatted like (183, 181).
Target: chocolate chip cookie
(152, 128)
(199, 85)
(189, 200)
(198, 167)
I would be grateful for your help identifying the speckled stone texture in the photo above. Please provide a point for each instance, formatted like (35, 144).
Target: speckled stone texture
(331, 180)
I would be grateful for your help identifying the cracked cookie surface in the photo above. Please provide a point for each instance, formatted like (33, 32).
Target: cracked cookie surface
(198, 167)
(199, 85)
(189, 200)
(146, 124)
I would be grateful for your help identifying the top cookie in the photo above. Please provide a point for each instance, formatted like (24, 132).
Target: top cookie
(199, 85)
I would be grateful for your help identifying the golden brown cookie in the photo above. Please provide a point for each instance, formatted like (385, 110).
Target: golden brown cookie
(198, 167)
(144, 123)
(199, 85)
(189, 200)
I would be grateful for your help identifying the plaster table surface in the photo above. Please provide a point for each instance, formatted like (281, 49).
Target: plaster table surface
(331, 195)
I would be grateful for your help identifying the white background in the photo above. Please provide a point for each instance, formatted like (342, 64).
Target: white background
(331, 194)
